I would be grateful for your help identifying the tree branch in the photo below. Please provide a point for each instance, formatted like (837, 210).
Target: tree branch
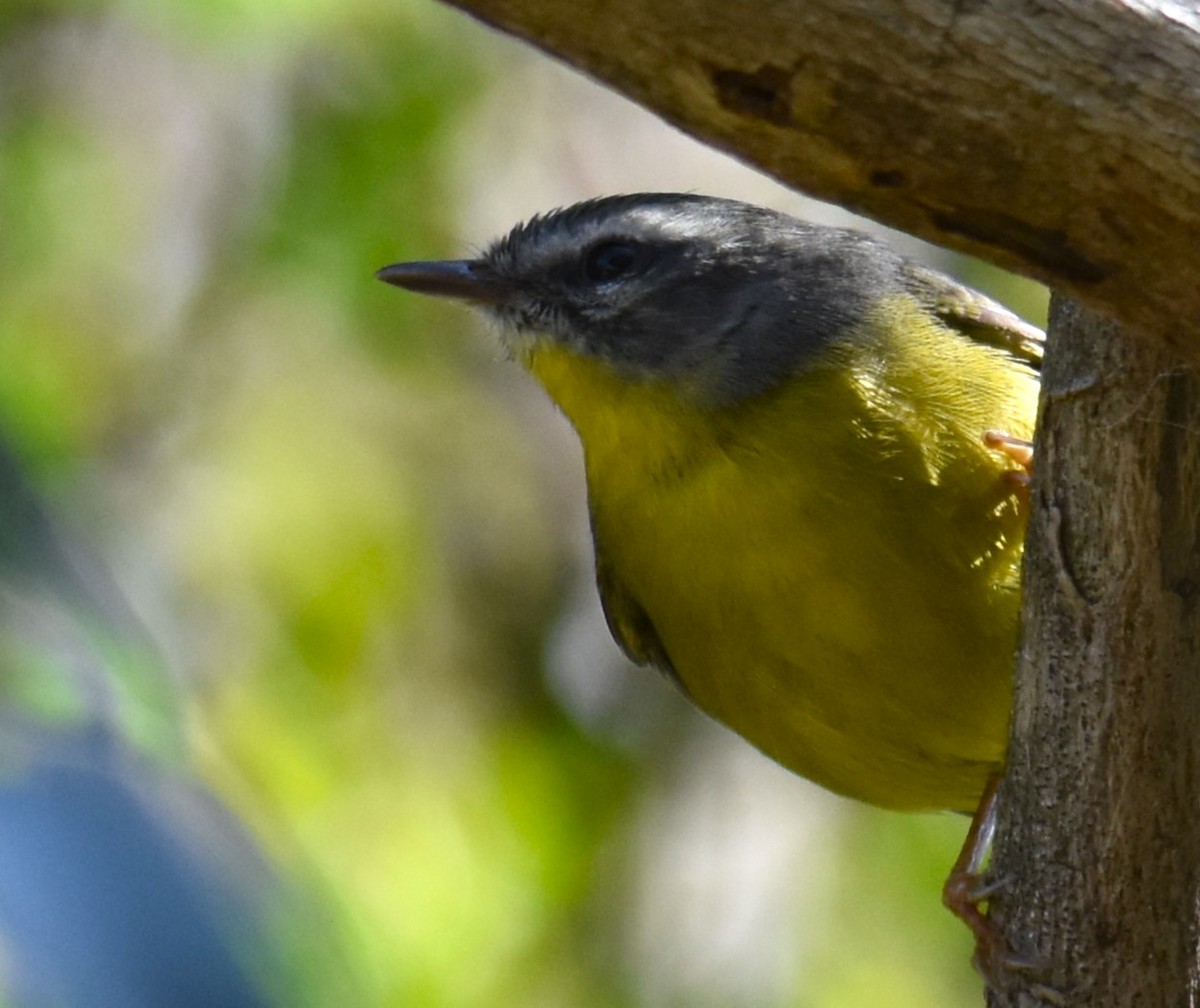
(1060, 138)
(1057, 138)
(1097, 839)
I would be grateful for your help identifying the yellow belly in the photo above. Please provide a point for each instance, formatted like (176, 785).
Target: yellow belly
(828, 632)
(832, 568)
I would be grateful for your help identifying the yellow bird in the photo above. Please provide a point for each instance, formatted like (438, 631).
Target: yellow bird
(794, 512)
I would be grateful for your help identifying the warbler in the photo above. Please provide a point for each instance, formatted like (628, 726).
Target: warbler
(794, 512)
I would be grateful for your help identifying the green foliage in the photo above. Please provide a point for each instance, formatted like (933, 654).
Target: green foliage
(341, 531)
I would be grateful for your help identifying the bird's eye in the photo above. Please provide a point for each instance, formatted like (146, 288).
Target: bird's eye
(610, 260)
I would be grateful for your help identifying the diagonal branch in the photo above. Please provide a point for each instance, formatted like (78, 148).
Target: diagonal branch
(1058, 138)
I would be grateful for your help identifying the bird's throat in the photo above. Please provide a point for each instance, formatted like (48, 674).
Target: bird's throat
(623, 422)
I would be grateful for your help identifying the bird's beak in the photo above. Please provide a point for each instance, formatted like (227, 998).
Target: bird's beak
(465, 279)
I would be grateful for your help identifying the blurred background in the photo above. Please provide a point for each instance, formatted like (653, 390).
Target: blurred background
(305, 694)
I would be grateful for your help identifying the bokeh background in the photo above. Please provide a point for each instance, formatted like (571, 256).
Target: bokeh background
(305, 695)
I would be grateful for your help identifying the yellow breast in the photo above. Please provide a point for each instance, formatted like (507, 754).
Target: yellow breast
(832, 567)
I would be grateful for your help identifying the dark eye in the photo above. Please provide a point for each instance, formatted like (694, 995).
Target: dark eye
(610, 260)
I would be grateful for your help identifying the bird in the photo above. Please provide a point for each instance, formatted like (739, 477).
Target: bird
(795, 511)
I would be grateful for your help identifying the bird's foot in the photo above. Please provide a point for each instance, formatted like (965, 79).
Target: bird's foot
(968, 888)
(1015, 449)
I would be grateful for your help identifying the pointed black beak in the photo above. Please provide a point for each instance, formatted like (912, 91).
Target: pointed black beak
(465, 279)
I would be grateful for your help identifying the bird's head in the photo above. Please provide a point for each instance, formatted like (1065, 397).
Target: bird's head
(717, 297)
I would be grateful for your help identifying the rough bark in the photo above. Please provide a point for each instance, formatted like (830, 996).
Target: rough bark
(1099, 833)
(1058, 138)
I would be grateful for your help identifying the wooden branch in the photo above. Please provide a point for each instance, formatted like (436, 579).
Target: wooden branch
(1058, 138)
(1098, 839)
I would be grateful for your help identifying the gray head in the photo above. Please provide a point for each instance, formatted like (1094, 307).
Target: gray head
(722, 297)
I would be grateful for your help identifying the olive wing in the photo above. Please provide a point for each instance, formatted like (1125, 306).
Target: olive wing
(976, 315)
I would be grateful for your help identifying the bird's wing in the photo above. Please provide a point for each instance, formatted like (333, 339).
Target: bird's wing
(630, 624)
(978, 316)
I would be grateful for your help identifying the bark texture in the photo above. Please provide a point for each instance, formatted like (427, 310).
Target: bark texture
(1099, 832)
(1058, 138)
